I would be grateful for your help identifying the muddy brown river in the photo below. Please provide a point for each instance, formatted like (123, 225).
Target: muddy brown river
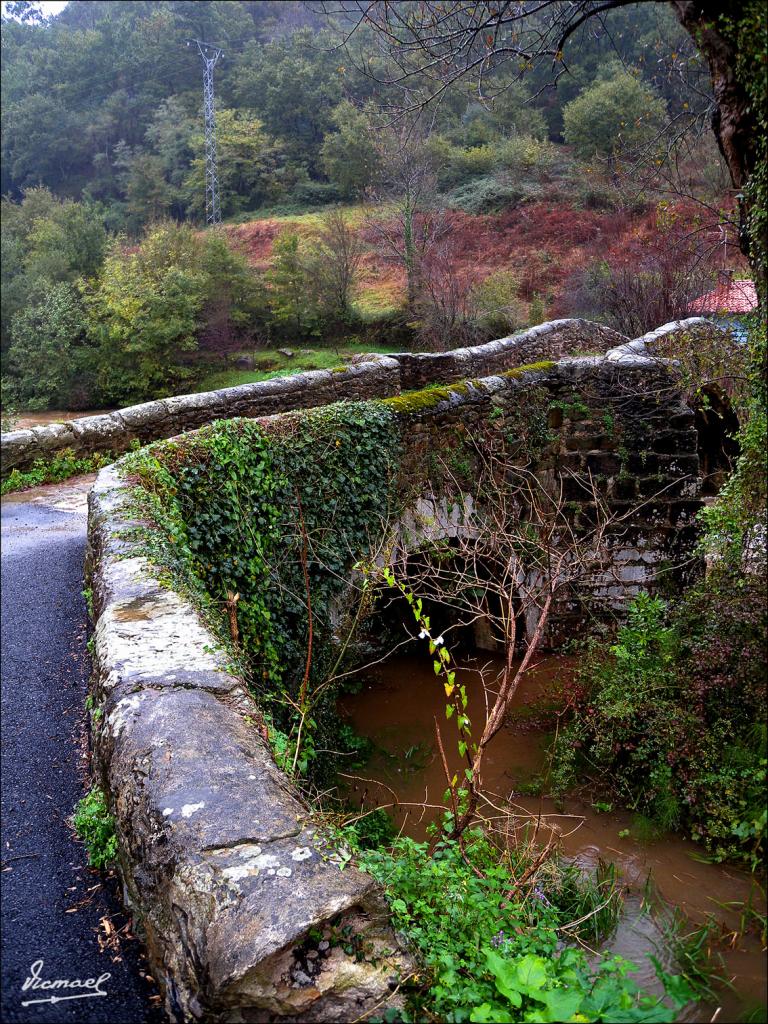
(396, 709)
(25, 420)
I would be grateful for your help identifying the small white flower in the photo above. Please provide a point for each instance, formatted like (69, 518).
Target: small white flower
(423, 634)
(439, 641)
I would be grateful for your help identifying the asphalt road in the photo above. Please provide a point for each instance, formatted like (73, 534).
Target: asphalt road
(54, 908)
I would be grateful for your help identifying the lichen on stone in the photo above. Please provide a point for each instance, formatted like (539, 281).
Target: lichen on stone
(429, 398)
(518, 371)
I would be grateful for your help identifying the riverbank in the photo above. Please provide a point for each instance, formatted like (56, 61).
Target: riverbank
(396, 709)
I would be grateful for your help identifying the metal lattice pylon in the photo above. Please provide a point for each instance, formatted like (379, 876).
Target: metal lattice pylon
(210, 55)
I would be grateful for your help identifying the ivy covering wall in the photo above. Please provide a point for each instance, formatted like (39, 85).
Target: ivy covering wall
(278, 518)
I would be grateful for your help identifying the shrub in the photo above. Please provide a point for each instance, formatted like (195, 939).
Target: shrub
(653, 283)
(487, 957)
(61, 466)
(149, 307)
(617, 115)
(526, 156)
(669, 717)
(472, 162)
(315, 193)
(492, 194)
(499, 310)
(587, 188)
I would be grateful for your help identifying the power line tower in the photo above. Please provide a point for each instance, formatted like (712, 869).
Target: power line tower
(210, 55)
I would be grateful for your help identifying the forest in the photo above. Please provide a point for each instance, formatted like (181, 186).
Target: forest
(337, 228)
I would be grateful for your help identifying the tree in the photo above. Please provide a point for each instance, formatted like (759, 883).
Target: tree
(42, 143)
(171, 136)
(294, 85)
(149, 308)
(148, 194)
(46, 241)
(444, 307)
(613, 117)
(235, 301)
(249, 164)
(291, 288)
(443, 43)
(349, 156)
(48, 360)
(142, 314)
(410, 224)
(337, 260)
(511, 112)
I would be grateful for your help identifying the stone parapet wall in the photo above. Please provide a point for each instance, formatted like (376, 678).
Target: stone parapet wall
(151, 421)
(624, 426)
(220, 858)
(550, 341)
(374, 376)
(647, 346)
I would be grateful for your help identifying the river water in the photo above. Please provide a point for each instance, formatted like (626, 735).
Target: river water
(397, 708)
(25, 420)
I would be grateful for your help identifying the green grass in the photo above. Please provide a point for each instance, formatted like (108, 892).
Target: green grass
(269, 363)
(378, 302)
(305, 220)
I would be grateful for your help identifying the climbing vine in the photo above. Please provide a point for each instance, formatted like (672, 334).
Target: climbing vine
(270, 524)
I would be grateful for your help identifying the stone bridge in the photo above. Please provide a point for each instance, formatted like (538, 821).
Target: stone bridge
(226, 868)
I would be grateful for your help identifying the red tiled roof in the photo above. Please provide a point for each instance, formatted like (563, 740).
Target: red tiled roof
(736, 297)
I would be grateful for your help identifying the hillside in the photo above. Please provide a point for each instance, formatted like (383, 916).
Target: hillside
(544, 245)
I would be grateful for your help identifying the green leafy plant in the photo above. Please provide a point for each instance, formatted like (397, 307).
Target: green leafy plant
(61, 466)
(667, 719)
(96, 827)
(241, 511)
(486, 956)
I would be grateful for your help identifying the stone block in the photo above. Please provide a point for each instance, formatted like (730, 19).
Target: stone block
(54, 437)
(675, 442)
(579, 443)
(643, 463)
(149, 414)
(603, 464)
(624, 488)
(95, 433)
(679, 465)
